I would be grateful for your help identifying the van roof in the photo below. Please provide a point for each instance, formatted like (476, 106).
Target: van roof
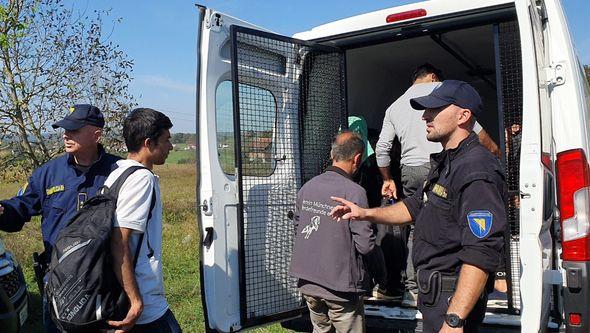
(378, 18)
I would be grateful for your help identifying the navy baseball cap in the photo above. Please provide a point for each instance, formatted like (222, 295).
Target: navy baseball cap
(459, 93)
(81, 115)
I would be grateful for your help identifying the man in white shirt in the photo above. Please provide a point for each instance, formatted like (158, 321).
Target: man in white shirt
(147, 136)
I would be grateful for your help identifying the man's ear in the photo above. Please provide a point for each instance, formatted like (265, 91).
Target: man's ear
(357, 159)
(464, 116)
(97, 135)
(147, 142)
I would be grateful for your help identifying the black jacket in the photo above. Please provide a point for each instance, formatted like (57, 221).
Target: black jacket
(460, 211)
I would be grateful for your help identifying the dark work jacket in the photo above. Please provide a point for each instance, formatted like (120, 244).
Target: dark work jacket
(56, 190)
(460, 211)
(327, 252)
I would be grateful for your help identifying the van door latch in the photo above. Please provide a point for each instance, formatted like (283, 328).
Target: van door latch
(207, 207)
(555, 74)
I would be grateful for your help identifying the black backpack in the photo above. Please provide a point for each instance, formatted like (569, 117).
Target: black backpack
(82, 289)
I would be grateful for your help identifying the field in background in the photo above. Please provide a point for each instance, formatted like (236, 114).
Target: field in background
(181, 256)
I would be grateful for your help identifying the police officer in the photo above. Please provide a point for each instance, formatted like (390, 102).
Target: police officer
(459, 214)
(58, 188)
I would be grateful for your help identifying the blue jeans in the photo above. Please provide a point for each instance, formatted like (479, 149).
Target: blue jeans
(165, 324)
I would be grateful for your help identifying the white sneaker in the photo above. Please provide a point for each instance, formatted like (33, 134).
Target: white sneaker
(410, 299)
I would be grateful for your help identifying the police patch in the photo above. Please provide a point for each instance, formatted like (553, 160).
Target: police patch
(480, 222)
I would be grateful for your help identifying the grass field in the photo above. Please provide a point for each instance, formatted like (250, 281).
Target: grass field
(180, 244)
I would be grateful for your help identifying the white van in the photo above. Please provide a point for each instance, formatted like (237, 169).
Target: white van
(268, 106)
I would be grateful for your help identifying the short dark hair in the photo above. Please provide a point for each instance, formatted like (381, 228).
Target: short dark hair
(425, 69)
(346, 145)
(141, 124)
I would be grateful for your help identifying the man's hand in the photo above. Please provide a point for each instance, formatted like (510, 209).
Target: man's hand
(388, 189)
(129, 321)
(1, 210)
(347, 210)
(446, 329)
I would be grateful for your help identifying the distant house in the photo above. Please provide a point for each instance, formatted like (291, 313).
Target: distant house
(190, 146)
(259, 148)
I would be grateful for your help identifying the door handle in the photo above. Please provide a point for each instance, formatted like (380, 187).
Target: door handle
(208, 240)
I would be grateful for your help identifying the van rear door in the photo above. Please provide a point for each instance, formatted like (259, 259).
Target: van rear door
(537, 201)
(268, 107)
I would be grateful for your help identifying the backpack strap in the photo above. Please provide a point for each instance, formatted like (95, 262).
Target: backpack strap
(114, 192)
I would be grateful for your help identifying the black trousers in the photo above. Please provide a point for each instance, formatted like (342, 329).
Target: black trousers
(433, 315)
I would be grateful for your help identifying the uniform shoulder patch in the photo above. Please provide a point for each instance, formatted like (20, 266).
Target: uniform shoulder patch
(480, 222)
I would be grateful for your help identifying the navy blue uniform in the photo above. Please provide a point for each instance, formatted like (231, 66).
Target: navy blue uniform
(56, 190)
(460, 218)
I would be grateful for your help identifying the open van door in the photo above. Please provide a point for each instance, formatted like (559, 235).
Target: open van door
(537, 195)
(268, 106)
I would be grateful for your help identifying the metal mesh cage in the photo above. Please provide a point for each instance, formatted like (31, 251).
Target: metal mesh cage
(510, 63)
(288, 102)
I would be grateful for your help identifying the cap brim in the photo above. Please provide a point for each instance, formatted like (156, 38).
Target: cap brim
(68, 124)
(428, 102)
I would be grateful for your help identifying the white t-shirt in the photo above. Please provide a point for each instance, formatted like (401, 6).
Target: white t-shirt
(133, 207)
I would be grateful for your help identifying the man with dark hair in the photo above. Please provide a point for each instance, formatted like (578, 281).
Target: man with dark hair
(459, 213)
(58, 189)
(147, 136)
(328, 257)
(401, 121)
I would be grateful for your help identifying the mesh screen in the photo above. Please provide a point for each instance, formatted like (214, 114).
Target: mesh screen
(284, 141)
(511, 78)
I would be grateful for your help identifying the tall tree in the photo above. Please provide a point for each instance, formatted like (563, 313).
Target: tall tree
(53, 57)
(587, 71)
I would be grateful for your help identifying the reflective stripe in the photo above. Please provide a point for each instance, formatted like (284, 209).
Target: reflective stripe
(77, 247)
(98, 307)
(55, 307)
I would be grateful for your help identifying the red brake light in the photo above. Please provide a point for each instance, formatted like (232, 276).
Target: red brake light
(405, 15)
(575, 319)
(573, 181)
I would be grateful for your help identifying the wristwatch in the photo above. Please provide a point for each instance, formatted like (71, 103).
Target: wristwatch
(453, 320)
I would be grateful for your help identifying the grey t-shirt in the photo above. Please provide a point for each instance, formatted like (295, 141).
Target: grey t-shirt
(403, 121)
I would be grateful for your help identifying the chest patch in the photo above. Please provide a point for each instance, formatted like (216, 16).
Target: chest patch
(480, 222)
(54, 189)
(440, 190)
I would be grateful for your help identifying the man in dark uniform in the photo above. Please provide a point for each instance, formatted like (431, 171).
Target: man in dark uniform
(58, 188)
(459, 214)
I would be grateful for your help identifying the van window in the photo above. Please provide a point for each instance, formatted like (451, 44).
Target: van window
(257, 136)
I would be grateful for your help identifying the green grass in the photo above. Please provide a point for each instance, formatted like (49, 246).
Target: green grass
(181, 157)
(180, 247)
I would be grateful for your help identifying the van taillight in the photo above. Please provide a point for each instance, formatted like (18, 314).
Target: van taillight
(410, 14)
(573, 181)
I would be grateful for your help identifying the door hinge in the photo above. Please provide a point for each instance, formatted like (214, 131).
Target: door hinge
(555, 74)
(214, 21)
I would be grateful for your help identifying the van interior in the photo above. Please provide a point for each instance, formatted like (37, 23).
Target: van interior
(379, 68)
(488, 57)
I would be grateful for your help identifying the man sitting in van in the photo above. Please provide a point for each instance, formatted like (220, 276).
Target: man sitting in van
(402, 121)
(328, 258)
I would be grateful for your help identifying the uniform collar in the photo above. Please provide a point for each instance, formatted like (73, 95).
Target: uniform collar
(338, 171)
(444, 158)
(101, 153)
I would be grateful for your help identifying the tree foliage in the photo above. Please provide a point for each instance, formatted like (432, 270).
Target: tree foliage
(587, 71)
(53, 57)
